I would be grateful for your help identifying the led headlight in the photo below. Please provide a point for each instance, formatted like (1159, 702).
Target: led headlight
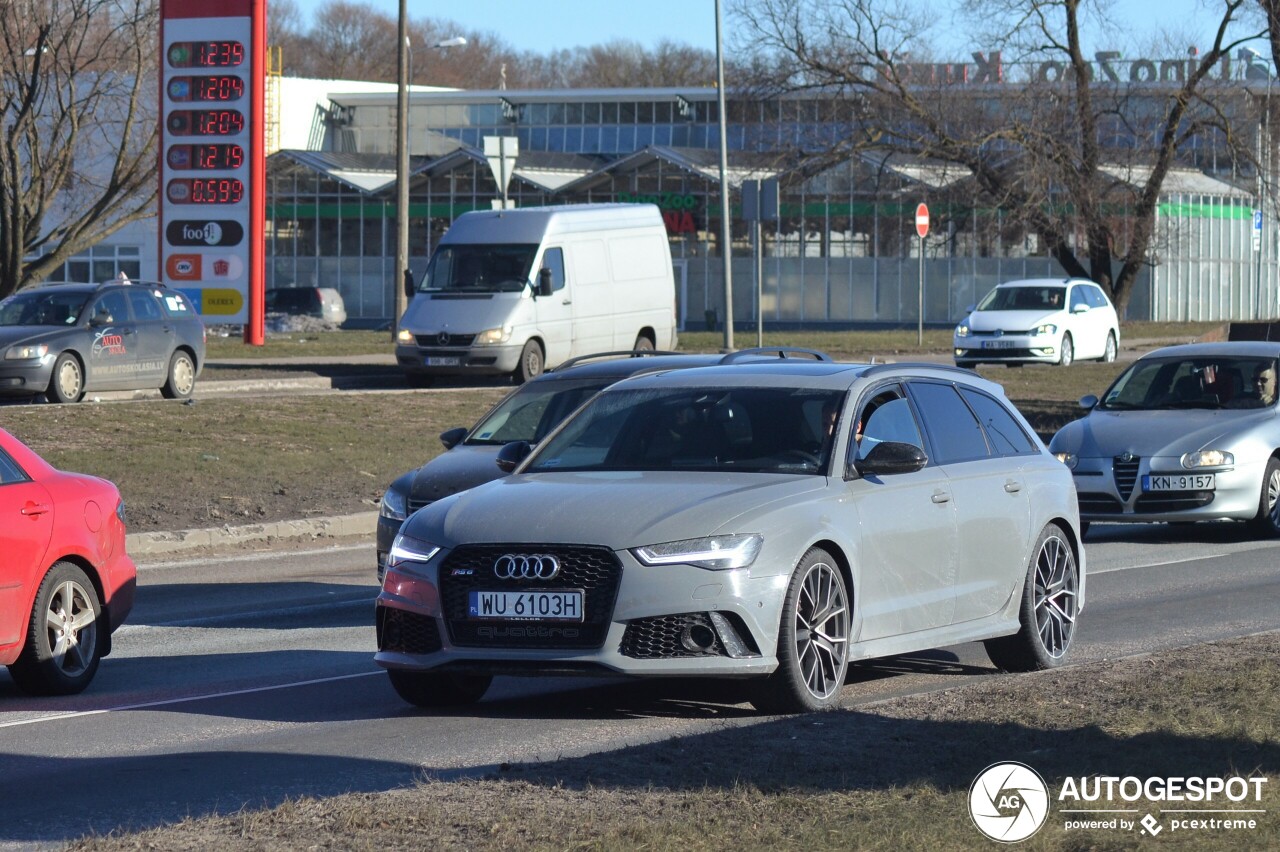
(1069, 459)
(405, 549)
(718, 552)
(962, 330)
(491, 336)
(1047, 328)
(1207, 458)
(394, 505)
(26, 351)
(404, 335)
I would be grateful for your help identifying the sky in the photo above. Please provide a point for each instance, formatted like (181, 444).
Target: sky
(539, 25)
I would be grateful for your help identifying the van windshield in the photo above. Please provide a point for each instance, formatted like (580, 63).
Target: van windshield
(479, 269)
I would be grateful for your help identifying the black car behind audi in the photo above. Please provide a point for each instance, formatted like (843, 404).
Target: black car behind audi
(62, 340)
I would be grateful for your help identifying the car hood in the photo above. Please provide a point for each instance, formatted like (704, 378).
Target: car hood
(1104, 434)
(454, 470)
(9, 335)
(463, 313)
(1012, 320)
(615, 509)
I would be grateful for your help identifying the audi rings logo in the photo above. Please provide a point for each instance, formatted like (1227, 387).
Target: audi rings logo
(1009, 802)
(535, 566)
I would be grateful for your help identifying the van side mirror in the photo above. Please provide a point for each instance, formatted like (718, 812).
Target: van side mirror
(544, 281)
(408, 283)
(453, 437)
(510, 456)
(890, 457)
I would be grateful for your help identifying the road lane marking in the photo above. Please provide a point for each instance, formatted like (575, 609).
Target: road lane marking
(186, 699)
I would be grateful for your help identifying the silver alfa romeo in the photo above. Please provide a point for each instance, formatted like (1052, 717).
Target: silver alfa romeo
(772, 521)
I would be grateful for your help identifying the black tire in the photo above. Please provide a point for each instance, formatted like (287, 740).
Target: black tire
(1266, 524)
(1050, 604)
(642, 344)
(1067, 352)
(531, 363)
(67, 382)
(438, 690)
(181, 379)
(810, 671)
(1109, 354)
(64, 640)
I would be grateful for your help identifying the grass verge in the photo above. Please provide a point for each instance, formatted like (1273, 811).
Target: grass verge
(890, 776)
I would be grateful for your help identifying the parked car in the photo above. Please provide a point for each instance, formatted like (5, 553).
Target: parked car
(707, 523)
(62, 340)
(528, 413)
(1045, 320)
(324, 303)
(1186, 433)
(66, 582)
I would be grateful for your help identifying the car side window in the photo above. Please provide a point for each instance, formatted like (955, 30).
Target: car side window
(111, 307)
(144, 305)
(886, 416)
(9, 470)
(1078, 297)
(954, 433)
(1096, 297)
(1006, 436)
(553, 259)
(175, 304)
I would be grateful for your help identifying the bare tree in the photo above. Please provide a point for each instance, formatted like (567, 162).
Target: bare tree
(1035, 146)
(79, 132)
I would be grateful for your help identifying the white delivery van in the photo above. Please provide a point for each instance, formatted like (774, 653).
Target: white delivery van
(514, 291)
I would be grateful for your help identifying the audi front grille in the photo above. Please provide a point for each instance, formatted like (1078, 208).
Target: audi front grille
(594, 570)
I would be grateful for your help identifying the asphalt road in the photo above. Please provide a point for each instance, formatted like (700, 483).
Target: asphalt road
(240, 681)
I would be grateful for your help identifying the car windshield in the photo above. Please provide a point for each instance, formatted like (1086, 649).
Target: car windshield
(533, 411)
(479, 269)
(1200, 382)
(1046, 298)
(33, 307)
(772, 430)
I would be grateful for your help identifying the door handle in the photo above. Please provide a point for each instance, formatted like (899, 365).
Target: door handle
(567, 302)
(33, 509)
(1012, 486)
(940, 497)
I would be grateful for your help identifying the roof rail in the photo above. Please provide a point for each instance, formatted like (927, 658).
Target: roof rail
(782, 352)
(877, 369)
(627, 353)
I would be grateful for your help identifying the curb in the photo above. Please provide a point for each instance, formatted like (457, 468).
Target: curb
(179, 541)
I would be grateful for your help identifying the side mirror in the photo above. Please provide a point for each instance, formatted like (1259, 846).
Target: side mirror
(890, 457)
(969, 309)
(1088, 401)
(408, 284)
(453, 437)
(510, 456)
(1080, 308)
(100, 319)
(544, 282)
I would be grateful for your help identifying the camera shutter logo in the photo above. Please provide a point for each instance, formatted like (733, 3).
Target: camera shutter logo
(536, 566)
(1009, 802)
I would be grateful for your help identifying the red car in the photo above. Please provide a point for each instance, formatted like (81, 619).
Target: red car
(66, 582)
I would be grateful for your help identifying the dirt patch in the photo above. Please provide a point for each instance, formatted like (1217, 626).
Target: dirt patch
(890, 776)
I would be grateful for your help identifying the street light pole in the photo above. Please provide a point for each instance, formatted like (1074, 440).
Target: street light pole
(405, 64)
(726, 244)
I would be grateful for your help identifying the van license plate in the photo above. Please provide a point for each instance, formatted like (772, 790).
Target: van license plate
(1179, 482)
(526, 606)
(452, 361)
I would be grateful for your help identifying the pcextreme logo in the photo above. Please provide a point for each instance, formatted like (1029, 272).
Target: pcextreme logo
(1009, 802)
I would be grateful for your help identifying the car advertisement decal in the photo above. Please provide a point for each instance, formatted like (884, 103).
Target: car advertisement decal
(108, 342)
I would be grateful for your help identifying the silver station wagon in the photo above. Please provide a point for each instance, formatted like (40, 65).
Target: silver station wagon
(771, 521)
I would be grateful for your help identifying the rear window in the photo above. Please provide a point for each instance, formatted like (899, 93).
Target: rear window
(175, 304)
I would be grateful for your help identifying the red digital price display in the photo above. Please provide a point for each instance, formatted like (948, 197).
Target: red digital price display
(206, 54)
(205, 122)
(223, 87)
(205, 191)
(186, 157)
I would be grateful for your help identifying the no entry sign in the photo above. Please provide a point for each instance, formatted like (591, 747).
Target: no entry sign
(922, 220)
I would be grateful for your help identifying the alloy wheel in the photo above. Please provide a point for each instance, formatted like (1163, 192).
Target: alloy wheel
(822, 630)
(73, 629)
(1056, 596)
